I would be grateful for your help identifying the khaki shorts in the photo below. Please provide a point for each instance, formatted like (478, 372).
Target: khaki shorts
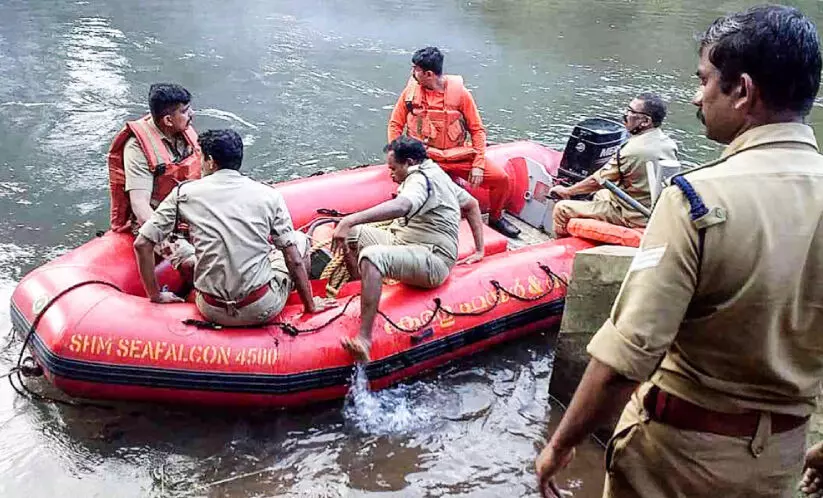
(414, 265)
(270, 305)
(175, 252)
(645, 458)
(601, 207)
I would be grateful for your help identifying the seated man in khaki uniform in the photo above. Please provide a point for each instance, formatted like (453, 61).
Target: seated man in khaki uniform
(713, 347)
(420, 247)
(627, 169)
(239, 281)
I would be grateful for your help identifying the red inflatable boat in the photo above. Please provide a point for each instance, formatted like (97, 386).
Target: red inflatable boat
(95, 335)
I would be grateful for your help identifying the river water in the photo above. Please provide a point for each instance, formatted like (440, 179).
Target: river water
(309, 85)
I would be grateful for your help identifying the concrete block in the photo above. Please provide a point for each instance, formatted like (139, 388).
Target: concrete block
(597, 275)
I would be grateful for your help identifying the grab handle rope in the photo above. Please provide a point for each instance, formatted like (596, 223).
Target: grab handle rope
(26, 365)
(499, 289)
(291, 330)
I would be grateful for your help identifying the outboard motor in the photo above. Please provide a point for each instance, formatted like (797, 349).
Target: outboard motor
(593, 142)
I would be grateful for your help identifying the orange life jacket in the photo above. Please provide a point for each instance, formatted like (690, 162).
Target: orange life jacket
(167, 173)
(442, 130)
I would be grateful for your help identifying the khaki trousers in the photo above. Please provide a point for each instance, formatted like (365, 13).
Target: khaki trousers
(266, 308)
(256, 313)
(601, 207)
(415, 265)
(648, 459)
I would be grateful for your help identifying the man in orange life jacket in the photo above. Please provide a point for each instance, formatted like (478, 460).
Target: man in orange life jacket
(148, 158)
(439, 111)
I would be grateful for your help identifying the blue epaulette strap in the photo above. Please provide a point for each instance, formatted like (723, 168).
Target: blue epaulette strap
(696, 207)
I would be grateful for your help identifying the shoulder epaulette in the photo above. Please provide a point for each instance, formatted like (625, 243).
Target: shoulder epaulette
(701, 216)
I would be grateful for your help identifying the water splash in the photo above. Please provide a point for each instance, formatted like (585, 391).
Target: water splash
(397, 410)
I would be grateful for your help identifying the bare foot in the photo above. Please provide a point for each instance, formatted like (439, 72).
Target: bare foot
(357, 347)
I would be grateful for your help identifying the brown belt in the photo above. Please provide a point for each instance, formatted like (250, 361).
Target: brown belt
(254, 296)
(681, 414)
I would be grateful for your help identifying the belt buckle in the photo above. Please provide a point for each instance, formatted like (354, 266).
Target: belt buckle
(231, 307)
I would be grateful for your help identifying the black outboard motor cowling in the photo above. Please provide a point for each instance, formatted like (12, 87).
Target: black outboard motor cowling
(593, 142)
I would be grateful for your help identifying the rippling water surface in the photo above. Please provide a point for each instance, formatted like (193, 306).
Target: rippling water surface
(309, 85)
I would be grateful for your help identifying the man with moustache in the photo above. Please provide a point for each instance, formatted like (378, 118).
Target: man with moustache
(627, 169)
(713, 346)
(148, 158)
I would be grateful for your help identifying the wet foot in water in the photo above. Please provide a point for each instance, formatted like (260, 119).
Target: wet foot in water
(357, 347)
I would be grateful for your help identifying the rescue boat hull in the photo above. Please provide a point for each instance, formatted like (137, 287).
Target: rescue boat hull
(88, 324)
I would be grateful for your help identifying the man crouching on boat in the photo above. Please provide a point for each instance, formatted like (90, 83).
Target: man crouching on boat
(240, 279)
(419, 247)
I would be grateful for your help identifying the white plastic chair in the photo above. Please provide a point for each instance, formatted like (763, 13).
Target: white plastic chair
(659, 174)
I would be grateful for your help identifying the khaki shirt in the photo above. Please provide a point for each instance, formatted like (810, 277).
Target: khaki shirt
(230, 219)
(136, 166)
(742, 327)
(437, 207)
(630, 175)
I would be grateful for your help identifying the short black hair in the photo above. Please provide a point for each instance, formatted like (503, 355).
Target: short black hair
(777, 46)
(224, 146)
(165, 97)
(405, 148)
(429, 59)
(654, 106)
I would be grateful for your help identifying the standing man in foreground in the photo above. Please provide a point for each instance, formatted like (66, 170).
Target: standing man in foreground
(627, 169)
(148, 158)
(715, 338)
(440, 112)
(420, 247)
(240, 279)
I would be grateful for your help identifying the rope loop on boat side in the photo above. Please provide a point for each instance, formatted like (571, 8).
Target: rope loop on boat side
(293, 331)
(26, 365)
(499, 290)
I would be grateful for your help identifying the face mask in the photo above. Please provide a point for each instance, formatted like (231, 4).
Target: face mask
(632, 131)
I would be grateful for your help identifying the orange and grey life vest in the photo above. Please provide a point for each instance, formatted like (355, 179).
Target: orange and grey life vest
(442, 130)
(167, 173)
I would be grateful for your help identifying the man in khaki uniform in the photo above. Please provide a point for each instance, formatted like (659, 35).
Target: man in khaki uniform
(420, 247)
(240, 281)
(627, 169)
(715, 338)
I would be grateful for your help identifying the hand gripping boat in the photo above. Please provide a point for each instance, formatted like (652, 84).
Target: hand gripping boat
(87, 323)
